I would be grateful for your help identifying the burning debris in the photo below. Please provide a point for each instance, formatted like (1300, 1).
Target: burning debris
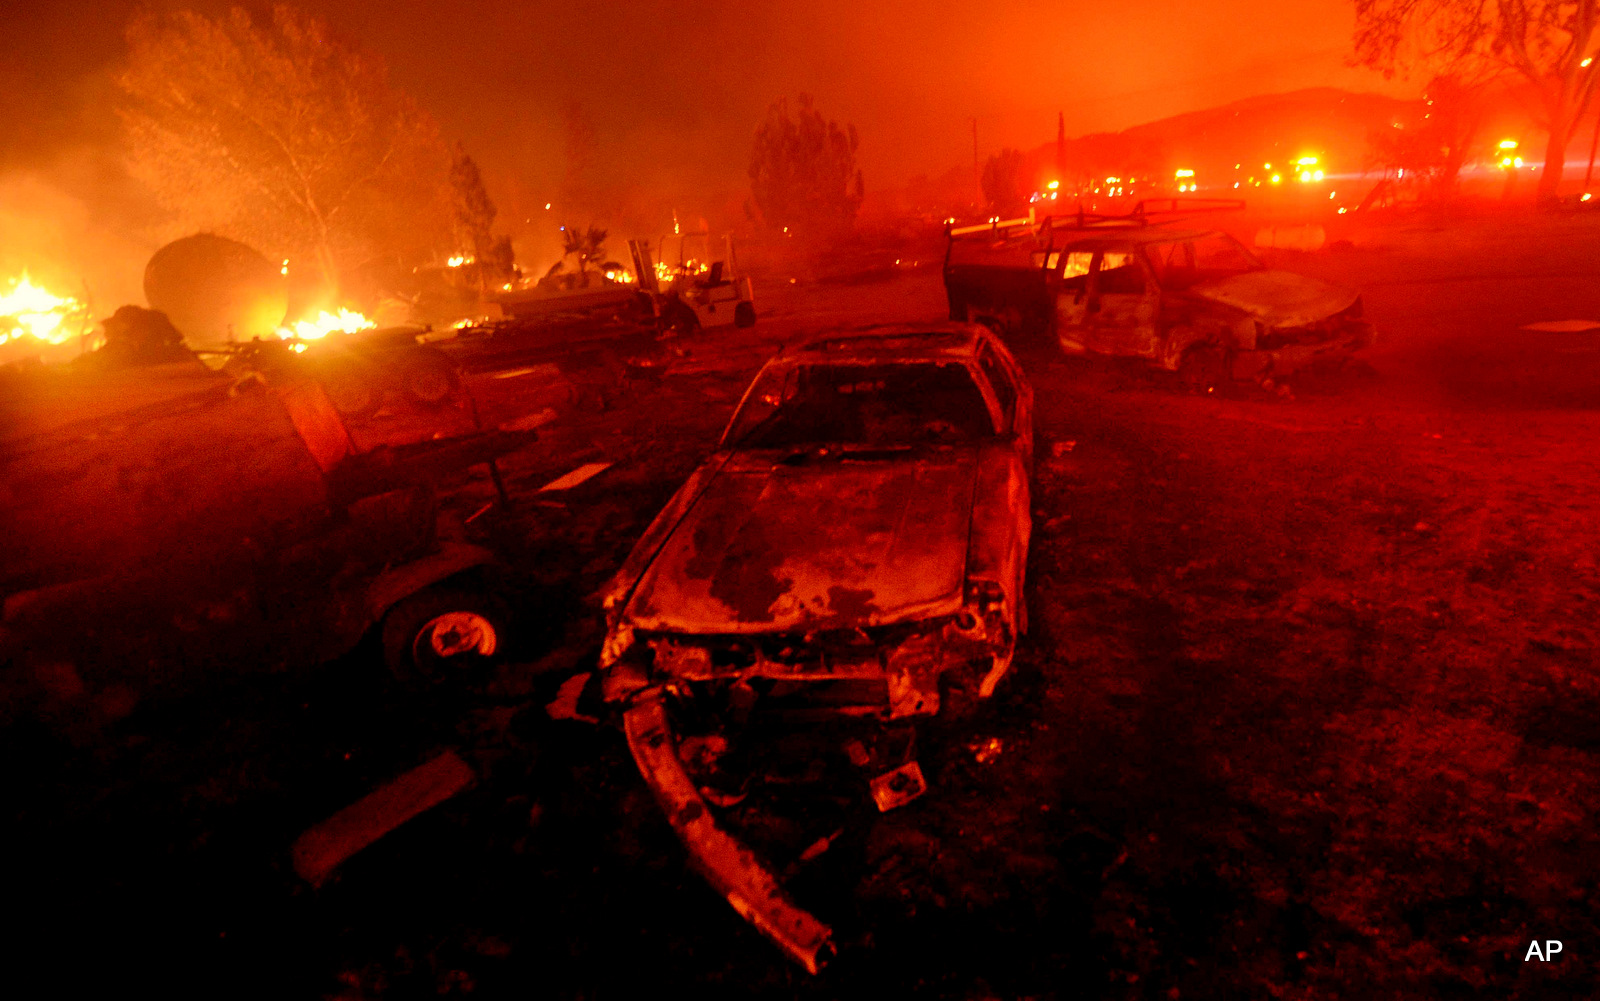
(345, 321)
(33, 316)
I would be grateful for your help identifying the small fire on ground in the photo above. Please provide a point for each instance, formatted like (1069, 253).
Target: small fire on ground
(346, 321)
(27, 309)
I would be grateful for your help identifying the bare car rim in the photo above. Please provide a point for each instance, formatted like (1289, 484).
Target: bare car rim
(455, 635)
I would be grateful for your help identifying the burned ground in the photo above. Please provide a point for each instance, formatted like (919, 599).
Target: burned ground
(1307, 709)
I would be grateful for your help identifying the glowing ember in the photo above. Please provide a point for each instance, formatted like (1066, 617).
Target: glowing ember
(25, 308)
(345, 321)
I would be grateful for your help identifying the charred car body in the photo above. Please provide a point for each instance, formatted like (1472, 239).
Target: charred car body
(1188, 300)
(856, 546)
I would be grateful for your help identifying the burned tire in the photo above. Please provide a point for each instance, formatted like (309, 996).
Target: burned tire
(429, 379)
(352, 391)
(442, 636)
(1203, 369)
(744, 314)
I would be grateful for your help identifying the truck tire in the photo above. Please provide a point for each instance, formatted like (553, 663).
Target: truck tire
(744, 314)
(443, 635)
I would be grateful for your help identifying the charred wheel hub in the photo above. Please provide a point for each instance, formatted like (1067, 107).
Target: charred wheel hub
(456, 634)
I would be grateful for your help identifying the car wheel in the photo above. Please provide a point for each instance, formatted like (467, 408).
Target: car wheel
(1203, 369)
(744, 314)
(442, 636)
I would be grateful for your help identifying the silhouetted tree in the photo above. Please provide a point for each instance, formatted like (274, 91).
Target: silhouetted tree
(1004, 185)
(587, 246)
(283, 136)
(803, 173)
(1426, 152)
(579, 187)
(1550, 43)
(474, 218)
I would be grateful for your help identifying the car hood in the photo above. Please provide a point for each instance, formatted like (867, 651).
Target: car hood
(1278, 298)
(828, 543)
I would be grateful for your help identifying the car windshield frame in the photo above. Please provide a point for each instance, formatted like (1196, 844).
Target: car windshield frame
(1190, 274)
(777, 378)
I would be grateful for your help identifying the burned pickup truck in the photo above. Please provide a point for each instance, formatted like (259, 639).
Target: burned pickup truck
(1189, 300)
(855, 548)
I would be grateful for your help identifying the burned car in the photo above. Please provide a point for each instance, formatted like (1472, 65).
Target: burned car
(1194, 301)
(855, 547)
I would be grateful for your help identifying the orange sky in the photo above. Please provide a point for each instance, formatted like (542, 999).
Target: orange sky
(678, 89)
(673, 92)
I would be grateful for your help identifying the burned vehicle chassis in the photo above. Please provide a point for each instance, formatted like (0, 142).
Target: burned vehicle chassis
(853, 555)
(1098, 285)
(887, 672)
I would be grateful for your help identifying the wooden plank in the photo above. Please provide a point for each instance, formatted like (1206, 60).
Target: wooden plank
(323, 848)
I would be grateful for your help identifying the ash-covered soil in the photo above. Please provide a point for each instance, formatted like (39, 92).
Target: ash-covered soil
(1309, 709)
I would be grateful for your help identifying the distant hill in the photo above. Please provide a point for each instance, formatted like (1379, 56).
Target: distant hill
(1330, 124)
(1325, 122)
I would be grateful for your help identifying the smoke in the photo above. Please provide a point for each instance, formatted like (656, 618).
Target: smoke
(79, 227)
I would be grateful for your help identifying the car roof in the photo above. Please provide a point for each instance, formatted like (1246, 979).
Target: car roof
(892, 341)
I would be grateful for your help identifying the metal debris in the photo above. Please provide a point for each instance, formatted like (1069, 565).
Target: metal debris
(898, 787)
(820, 845)
(565, 704)
(730, 867)
(580, 475)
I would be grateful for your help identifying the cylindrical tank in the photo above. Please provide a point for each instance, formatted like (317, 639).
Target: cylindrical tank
(215, 290)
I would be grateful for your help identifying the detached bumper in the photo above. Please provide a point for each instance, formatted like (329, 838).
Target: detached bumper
(726, 864)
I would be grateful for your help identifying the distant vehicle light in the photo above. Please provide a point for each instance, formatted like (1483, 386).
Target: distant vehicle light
(1341, 210)
(1586, 60)
(1277, 178)
(1305, 177)
(1053, 185)
(1183, 173)
(1508, 144)
(1316, 175)
(1307, 161)
(1586, 197)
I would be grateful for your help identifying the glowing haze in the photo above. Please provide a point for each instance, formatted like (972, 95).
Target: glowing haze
(672, 93)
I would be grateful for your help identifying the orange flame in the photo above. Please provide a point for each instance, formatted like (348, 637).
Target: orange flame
(29, 309)
(346, 321)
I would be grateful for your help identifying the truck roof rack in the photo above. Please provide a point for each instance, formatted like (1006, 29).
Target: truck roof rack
(1146, 212)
